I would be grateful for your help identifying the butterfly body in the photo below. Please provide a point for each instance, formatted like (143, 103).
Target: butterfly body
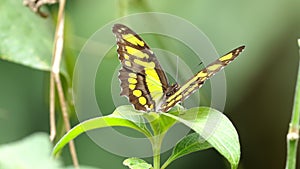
(143, 80)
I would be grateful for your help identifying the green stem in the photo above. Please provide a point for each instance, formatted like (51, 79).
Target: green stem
(156, 142)
(166, 163)
(293, 134)
(156, 161)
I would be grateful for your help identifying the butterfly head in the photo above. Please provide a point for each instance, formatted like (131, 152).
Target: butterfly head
(172, 89)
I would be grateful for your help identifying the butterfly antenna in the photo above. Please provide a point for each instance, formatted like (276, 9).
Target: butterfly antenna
(177, 64)
(197, 66)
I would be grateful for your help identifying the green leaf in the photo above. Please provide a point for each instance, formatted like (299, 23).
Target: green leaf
(25, 37)
(129, 113)
(136, 163)
(212, 128)
(189, 144)
(129, 119)
(32, 152)
(215, 128)
(161, 124)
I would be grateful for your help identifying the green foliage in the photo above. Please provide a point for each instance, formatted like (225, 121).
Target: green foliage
(32, 152)
(127, 119)
(213, 129)
(216, 128)
(26, 39)
(136, 163)
(190, 143)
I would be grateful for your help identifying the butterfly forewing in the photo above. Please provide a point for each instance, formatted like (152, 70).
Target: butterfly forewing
(198, 80)
(142, 79)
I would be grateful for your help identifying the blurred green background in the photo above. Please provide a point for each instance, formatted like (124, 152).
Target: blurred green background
(260, 84)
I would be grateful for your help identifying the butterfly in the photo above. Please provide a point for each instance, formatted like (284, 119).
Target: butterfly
(144, 82)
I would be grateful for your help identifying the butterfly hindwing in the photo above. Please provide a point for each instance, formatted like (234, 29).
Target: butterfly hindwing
(133, 87)
(142, 79)
(198, 80)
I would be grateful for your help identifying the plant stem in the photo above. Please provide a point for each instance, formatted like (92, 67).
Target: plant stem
(156, 147)
(293, 133)
(156, 139)
(52, 108)
(166, 164)
(66, 118)
(55, 75)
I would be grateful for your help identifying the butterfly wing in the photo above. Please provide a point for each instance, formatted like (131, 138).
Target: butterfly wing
(143, 80)
(198, 80)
